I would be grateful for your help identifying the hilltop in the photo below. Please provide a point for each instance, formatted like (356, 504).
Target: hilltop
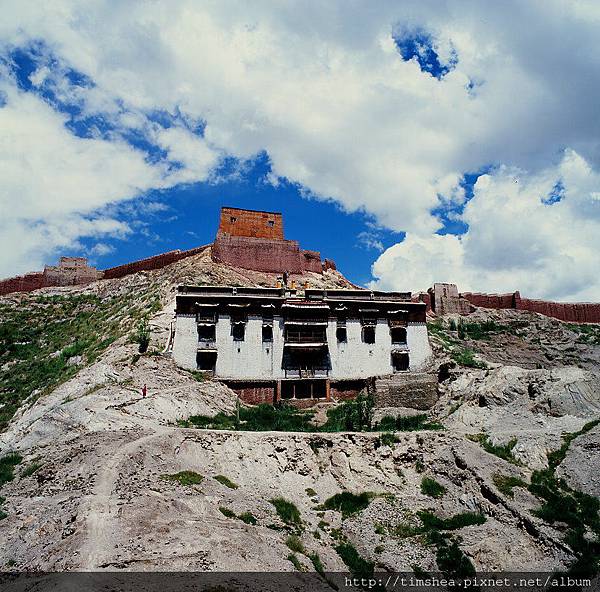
(103, 479)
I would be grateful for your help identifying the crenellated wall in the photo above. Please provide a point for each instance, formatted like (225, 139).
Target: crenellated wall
(73, 271)
(150, 263)
(575, 312)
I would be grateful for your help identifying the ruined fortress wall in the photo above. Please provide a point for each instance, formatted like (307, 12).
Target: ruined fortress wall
(22, 283)
(575, 312)
(73, 271)
(267, 255)
(150, 263)
(580, 312)
(491, 300)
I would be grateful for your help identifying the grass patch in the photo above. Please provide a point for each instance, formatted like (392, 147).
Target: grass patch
(287, 511)
(579, 511)
(351, 416)
(388, 439)
(294, 544)
(317, 563)
(184, 478)
(40, 335)
(505, 484)
(248, 518)
(359, 567)
(432, 522)
(503, 451)
(7, 467)
(348, 503)
(227, 512)
(432, 488)
(356, 415)
(295, 562)
(30, 469)
(466, 357)
(226, 481)
(589, 334)
(477, 330)
(557, 456)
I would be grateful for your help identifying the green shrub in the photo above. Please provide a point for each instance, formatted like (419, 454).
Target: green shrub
(287, 511)
(504, 451)
(348, 503)
(184, 478)
(142, 336)
(247, 517)
(451, 560)
(7, 466)
(294, 544)
(359, 567)
(3, 514)
(405, 531)
(226, 481)
(379, 549)
(432, 522)
(557, 456)
(310, 492)
(317, 563)
(388, 439)
(351, 416)
(295, 562)
(227, 512)
(506, 483)
(466, 357)
(432, 488)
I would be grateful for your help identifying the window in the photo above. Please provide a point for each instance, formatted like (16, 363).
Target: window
(398, 335)
(232, 219)
(400, 361)
(267, 333)
(368, 334)
(341, 334)
(206, 361)
(271, 223)
(238, 331)
(206, 332)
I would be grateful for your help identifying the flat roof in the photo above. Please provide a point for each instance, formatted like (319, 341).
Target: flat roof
(247, 210)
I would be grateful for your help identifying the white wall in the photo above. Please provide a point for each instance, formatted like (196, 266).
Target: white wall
(253, 359)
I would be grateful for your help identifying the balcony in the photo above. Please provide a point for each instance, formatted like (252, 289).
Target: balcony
(304, 336)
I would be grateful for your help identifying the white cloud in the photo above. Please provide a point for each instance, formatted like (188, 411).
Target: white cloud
(324, 92)
(515, 241)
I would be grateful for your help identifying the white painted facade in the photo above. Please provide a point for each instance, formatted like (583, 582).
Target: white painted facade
(253, 359)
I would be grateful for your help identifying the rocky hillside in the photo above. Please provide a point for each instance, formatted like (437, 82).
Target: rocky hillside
(94, 477)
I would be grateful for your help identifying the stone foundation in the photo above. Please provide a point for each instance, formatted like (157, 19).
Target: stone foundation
(415, 390)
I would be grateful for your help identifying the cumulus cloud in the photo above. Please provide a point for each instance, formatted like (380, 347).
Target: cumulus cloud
(517, 239)
(326, 93)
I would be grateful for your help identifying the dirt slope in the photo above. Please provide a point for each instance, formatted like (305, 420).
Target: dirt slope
(103, 497)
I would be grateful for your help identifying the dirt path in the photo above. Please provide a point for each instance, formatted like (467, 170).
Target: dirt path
(102, 508)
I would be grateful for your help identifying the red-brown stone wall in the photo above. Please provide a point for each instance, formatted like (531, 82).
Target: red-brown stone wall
(254, 393)
(272, 256)
(150, 263)
(249, 223)
(22, 283)
(576, 312)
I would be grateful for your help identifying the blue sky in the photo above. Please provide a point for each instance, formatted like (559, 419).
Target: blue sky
(411, 143)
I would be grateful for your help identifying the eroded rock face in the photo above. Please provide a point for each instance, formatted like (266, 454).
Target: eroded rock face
(581, 467)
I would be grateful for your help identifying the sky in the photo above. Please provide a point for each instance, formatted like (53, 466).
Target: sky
(411, 142)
